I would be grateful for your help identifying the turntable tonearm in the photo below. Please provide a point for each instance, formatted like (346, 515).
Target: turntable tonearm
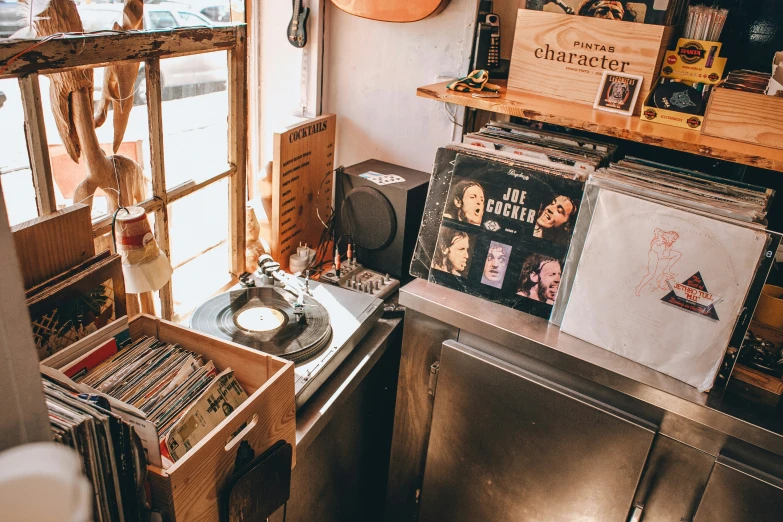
(315, 325)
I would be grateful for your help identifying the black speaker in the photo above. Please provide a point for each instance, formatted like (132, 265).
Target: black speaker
(381, 213)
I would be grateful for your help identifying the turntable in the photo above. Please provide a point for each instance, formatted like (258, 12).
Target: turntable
(314, 325)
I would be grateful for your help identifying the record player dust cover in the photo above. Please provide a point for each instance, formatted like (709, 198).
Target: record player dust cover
(505, 233)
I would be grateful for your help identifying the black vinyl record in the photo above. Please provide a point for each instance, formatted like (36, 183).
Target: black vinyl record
(263, 318)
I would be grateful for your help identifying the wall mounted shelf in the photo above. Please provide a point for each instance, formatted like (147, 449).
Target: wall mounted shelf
(584, 117)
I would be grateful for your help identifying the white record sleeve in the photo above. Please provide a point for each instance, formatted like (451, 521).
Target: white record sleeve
(661, 286)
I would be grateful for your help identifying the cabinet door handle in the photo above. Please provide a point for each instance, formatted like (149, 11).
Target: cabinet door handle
(636, 514)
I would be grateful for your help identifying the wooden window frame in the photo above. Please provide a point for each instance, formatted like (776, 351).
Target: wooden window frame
(26, 59)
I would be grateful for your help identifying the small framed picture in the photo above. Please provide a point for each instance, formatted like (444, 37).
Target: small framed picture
(618, 93)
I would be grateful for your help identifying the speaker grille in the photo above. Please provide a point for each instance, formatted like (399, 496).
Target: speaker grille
(369, 217)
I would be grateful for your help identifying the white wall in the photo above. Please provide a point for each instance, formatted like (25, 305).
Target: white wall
(278, 68)
(372, 70)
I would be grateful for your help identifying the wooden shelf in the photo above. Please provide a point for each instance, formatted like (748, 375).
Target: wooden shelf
(584, 117)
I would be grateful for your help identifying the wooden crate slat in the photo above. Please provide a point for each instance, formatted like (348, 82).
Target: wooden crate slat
(48, 245)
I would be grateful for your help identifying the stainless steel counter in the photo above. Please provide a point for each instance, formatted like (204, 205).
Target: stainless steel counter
(321, 407)
(670, 401)
(343, 435)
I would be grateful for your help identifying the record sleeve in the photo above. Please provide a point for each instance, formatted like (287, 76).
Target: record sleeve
(505, 232)
(433, 211)
(70, 310)
(659, 285)
(659, 12)
(547, 155)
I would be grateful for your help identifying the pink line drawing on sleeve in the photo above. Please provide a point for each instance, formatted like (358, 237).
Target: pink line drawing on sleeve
(660, 260)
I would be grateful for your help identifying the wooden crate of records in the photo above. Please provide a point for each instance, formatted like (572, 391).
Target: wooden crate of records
(189, 489)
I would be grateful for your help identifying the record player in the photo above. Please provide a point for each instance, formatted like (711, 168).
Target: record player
(312, 324)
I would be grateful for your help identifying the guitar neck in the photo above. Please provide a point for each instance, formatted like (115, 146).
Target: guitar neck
(295, 18)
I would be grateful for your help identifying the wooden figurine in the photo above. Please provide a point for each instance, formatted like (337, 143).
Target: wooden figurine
(119, 177)
(253, 246)
(120, 79)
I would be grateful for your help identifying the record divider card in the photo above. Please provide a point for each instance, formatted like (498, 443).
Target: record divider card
(301, 183)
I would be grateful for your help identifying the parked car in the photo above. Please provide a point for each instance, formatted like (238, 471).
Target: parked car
(10, 18)
(216, 11)
(181, 76)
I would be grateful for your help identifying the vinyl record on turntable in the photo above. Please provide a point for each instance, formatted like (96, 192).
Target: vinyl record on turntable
(263, 318)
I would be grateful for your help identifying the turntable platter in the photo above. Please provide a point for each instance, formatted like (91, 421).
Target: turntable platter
(263, 318)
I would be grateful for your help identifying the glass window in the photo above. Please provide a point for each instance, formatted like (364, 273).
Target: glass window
(192, 20)
(198, 225)
(11, 19)
(15, 174)
(161, 20)
(195, 116)
(217, 13)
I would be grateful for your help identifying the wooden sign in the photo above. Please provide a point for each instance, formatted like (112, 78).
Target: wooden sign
(301, 185)
(564, 56)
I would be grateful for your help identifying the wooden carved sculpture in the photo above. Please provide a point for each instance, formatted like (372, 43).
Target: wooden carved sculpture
(253, 245)
(119, 79)
(71, 98)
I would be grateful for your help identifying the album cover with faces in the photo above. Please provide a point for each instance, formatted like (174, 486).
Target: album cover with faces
(504, 233)
(659, 12)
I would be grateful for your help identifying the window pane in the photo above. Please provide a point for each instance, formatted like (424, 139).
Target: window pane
(19, 196)
(217, 13)
(198, 225)
(11, 18)
(192, 20)
(195, 117)
(15, 174)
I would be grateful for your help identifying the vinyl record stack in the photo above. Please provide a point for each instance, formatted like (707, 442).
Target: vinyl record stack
(501, 206)
(75, 303)
(184, 396)
(110, 450)
(689, 255)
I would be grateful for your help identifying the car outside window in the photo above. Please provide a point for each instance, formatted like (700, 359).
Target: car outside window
(192, 20)
(162, 20)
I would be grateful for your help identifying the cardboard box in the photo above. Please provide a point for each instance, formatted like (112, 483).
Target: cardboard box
(693, 62)
(676, 119)
(564, 56)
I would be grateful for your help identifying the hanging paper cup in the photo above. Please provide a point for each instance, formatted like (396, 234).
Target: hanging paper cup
(145, 267)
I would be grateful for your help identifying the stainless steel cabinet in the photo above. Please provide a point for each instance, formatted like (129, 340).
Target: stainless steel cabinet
(739, 493)
(505, 445)
(530, 425)
(673, 481)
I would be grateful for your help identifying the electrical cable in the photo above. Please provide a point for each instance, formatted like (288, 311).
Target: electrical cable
(451, 116)
(113, 222)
